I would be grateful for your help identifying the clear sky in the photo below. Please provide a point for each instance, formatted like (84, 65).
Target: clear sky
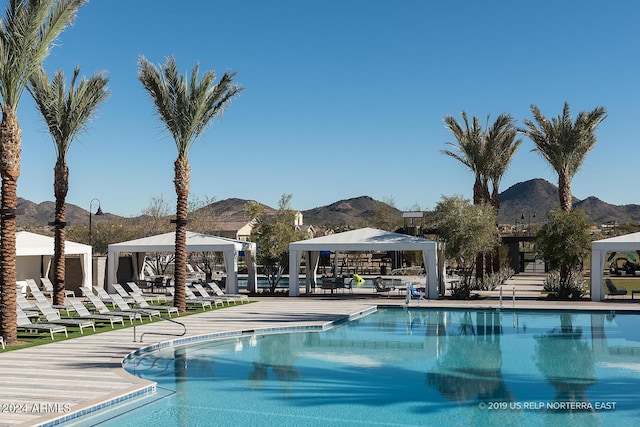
(344, 98)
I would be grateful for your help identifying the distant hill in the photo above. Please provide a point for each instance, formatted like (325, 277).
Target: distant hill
(531, 199)
(38, 215)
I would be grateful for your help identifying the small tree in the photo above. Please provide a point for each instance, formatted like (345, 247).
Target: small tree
(272, 236)
(467, 230)
(564, 242)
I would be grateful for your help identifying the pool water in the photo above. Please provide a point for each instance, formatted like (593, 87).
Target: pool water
(402, 367)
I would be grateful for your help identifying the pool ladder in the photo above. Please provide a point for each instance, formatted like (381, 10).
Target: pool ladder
(184, 330)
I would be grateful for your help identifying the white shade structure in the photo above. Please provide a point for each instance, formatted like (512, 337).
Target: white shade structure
(599, 250)
(34, 254)
(364, 239)
(196, 242)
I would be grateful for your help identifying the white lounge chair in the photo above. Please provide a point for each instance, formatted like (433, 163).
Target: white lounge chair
(142, 303)
(219, 292)
(123, 306)
(102, 294)
(24, 324)
(135, 289)
(190, 295)
(84, 313)
(203, 293)
(52, 316)
(48, 288)
(103, 309)
(40, 298)
(192, 300)
(122, 292)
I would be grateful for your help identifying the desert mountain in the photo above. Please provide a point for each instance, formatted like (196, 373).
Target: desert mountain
(528, 201)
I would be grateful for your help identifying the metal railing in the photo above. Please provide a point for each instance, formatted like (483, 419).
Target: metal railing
(184, 329)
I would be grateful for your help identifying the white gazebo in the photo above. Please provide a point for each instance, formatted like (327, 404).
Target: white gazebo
(196, 242)
(34, 254)
(599, 249)
(364, 239)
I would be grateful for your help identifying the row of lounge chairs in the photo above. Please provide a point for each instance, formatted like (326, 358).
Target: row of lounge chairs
(98, 298)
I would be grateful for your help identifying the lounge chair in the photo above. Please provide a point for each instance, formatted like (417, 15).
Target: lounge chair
(102, 294)
(52, 316)
(2, 341)
(135, 289)
(219, 292)
(191, 296)
(29, 309)
(122, 292)
(123, 306)
(84, 313)
(40, 298)
(48, 288)
(192, 301)
(142, 303)
(24, 324)
(613, 290)
(380, 287)
(204, 294)
(103, 309)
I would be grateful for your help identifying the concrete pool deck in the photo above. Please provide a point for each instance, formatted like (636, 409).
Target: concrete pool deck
(41, 384)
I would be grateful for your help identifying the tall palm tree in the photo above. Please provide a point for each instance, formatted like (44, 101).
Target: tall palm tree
(564, 143)
(470, 151)
(186, 107)
(488, 154)
(501, 145)
(27, 33)
(66, 114)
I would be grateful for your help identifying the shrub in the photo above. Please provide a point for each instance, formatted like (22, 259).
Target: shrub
(570, 289)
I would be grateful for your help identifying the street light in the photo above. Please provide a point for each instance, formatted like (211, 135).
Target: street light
(98, 213)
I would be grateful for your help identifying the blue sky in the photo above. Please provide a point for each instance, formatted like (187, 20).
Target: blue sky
(343, 98)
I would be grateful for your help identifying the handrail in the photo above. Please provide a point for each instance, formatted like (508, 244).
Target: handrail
(184, 331)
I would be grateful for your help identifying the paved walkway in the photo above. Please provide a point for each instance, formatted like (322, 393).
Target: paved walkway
(44, 383)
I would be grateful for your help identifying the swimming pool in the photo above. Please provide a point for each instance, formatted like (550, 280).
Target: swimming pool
(403, 367)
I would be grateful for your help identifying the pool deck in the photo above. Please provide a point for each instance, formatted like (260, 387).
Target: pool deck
(39, 385)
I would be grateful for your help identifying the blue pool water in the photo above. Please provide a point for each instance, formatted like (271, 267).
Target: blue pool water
(402, 367)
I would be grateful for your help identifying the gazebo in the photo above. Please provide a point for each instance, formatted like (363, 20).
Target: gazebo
(196, 242)
(599, 249)
(364, 239)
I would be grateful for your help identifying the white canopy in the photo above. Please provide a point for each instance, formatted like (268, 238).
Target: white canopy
(196, 242)
(364, 239)
(599, 249)
(35, 251)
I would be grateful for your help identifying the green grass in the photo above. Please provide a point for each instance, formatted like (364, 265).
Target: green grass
(32, 340)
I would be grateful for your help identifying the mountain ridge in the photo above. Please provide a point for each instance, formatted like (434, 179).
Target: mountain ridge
(528, 201)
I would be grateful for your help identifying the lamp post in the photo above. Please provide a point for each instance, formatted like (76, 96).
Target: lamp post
(98, 213)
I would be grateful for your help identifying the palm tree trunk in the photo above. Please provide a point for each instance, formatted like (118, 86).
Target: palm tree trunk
(564, 192)
(181, 182)
(61, 180)
(10, 137)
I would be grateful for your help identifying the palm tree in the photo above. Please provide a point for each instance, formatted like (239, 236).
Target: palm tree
(66, 114)
(470, 151)
(488, 154)
(564, 143)
(186, 107)
(502, 146)
(27, 33)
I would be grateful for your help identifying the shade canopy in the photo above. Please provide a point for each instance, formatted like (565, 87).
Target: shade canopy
(34, 253)
(196, 242)
(361, 240)
(599, 249)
